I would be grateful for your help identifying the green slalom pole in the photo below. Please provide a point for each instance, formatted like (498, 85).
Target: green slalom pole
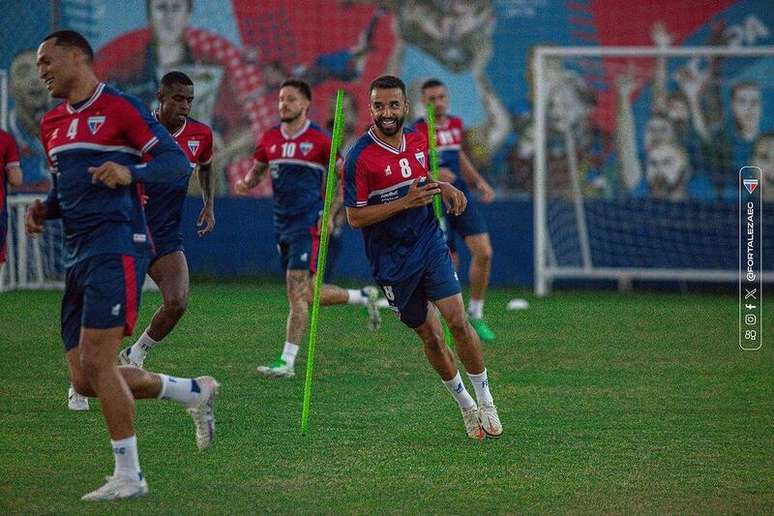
(437, 204)
(330, 185)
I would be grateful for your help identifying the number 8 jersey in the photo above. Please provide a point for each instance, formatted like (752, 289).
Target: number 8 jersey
(378, 173)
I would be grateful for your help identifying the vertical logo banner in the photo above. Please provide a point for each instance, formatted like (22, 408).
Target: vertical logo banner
(750, 215)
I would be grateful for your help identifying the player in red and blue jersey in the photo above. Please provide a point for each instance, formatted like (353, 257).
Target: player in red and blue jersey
(164, 211)
(10, 175)
(95, 141)
(296, 153)
(389, 196)
(470, 225)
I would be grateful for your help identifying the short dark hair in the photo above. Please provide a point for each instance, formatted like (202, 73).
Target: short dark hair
(431, 83)
(71, 39)
(300, 85)
(387, 82)
(175, 77)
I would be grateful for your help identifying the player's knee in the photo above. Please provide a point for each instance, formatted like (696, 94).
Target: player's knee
(176, 305)
(483, 253)
(299, 305)
(82, 386)
(458, 323)
(90, 363)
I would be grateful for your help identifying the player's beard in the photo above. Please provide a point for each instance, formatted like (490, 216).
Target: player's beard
(291, 117)
(390, 131)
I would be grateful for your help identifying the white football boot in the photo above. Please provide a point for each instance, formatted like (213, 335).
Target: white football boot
(472, 424)
(118, 488)
(76, 401)
(490, 421)
(125, 358)
(203, 412)
(277, 369)
(374, 319)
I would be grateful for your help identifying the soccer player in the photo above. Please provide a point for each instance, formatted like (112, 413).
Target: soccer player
(164, 211)
(95, 141)
(10, 174)
(389, 196)
(296, 152)
(470, 225)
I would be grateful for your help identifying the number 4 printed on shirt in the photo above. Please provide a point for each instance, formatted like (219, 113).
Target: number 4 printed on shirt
(72, 131)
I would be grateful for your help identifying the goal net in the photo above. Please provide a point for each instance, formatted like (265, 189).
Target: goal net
(637, 153)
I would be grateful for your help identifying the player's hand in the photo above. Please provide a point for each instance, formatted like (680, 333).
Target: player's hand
(486, 191)
(241, 187)
(419, 196)
(111, 174)
(446, 175)
(206, 219)
(319, 226)
(35, 217)
(454, 199)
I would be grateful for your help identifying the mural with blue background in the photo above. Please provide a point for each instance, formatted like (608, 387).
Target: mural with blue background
(481, 49)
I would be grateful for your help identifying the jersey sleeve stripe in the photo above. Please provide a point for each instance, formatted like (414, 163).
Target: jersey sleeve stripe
(12, 164)
(148, 146)
(93, 146)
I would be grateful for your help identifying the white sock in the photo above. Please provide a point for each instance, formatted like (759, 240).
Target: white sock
(127, 460)
(356, 297)
(382, 303)
(289, 353)
(182, 390)
(460, 393)
(481, 386)
(476, 308)
(141, 347)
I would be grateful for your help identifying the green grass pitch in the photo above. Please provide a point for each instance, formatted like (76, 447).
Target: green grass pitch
(610, 403)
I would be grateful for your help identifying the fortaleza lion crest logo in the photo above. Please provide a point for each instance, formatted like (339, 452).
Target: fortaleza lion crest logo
(306, 147)
(193, 146)
(420, 158)
(95, 122)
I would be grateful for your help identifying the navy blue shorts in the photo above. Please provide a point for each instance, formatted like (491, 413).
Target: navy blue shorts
(410, 297)
(298, 250)
(168, 246)
(469, 222)
(101, 292)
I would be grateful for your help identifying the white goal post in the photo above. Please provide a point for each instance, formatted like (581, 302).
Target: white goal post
(36, 263)
(31, 263)
(568, 225)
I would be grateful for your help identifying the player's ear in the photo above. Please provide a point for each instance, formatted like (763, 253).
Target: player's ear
(159, 95)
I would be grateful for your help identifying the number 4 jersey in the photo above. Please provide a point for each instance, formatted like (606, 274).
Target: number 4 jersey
(378, 173)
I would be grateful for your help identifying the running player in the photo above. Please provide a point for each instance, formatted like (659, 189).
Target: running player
(388, 195)
(95, 141)
(470, 225)
(296, 152)
(10, 174)
(164, 211)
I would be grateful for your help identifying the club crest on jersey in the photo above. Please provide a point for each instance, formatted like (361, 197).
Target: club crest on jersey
(193, 146)
(95, 123)
(420, 158)
(306, 147)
